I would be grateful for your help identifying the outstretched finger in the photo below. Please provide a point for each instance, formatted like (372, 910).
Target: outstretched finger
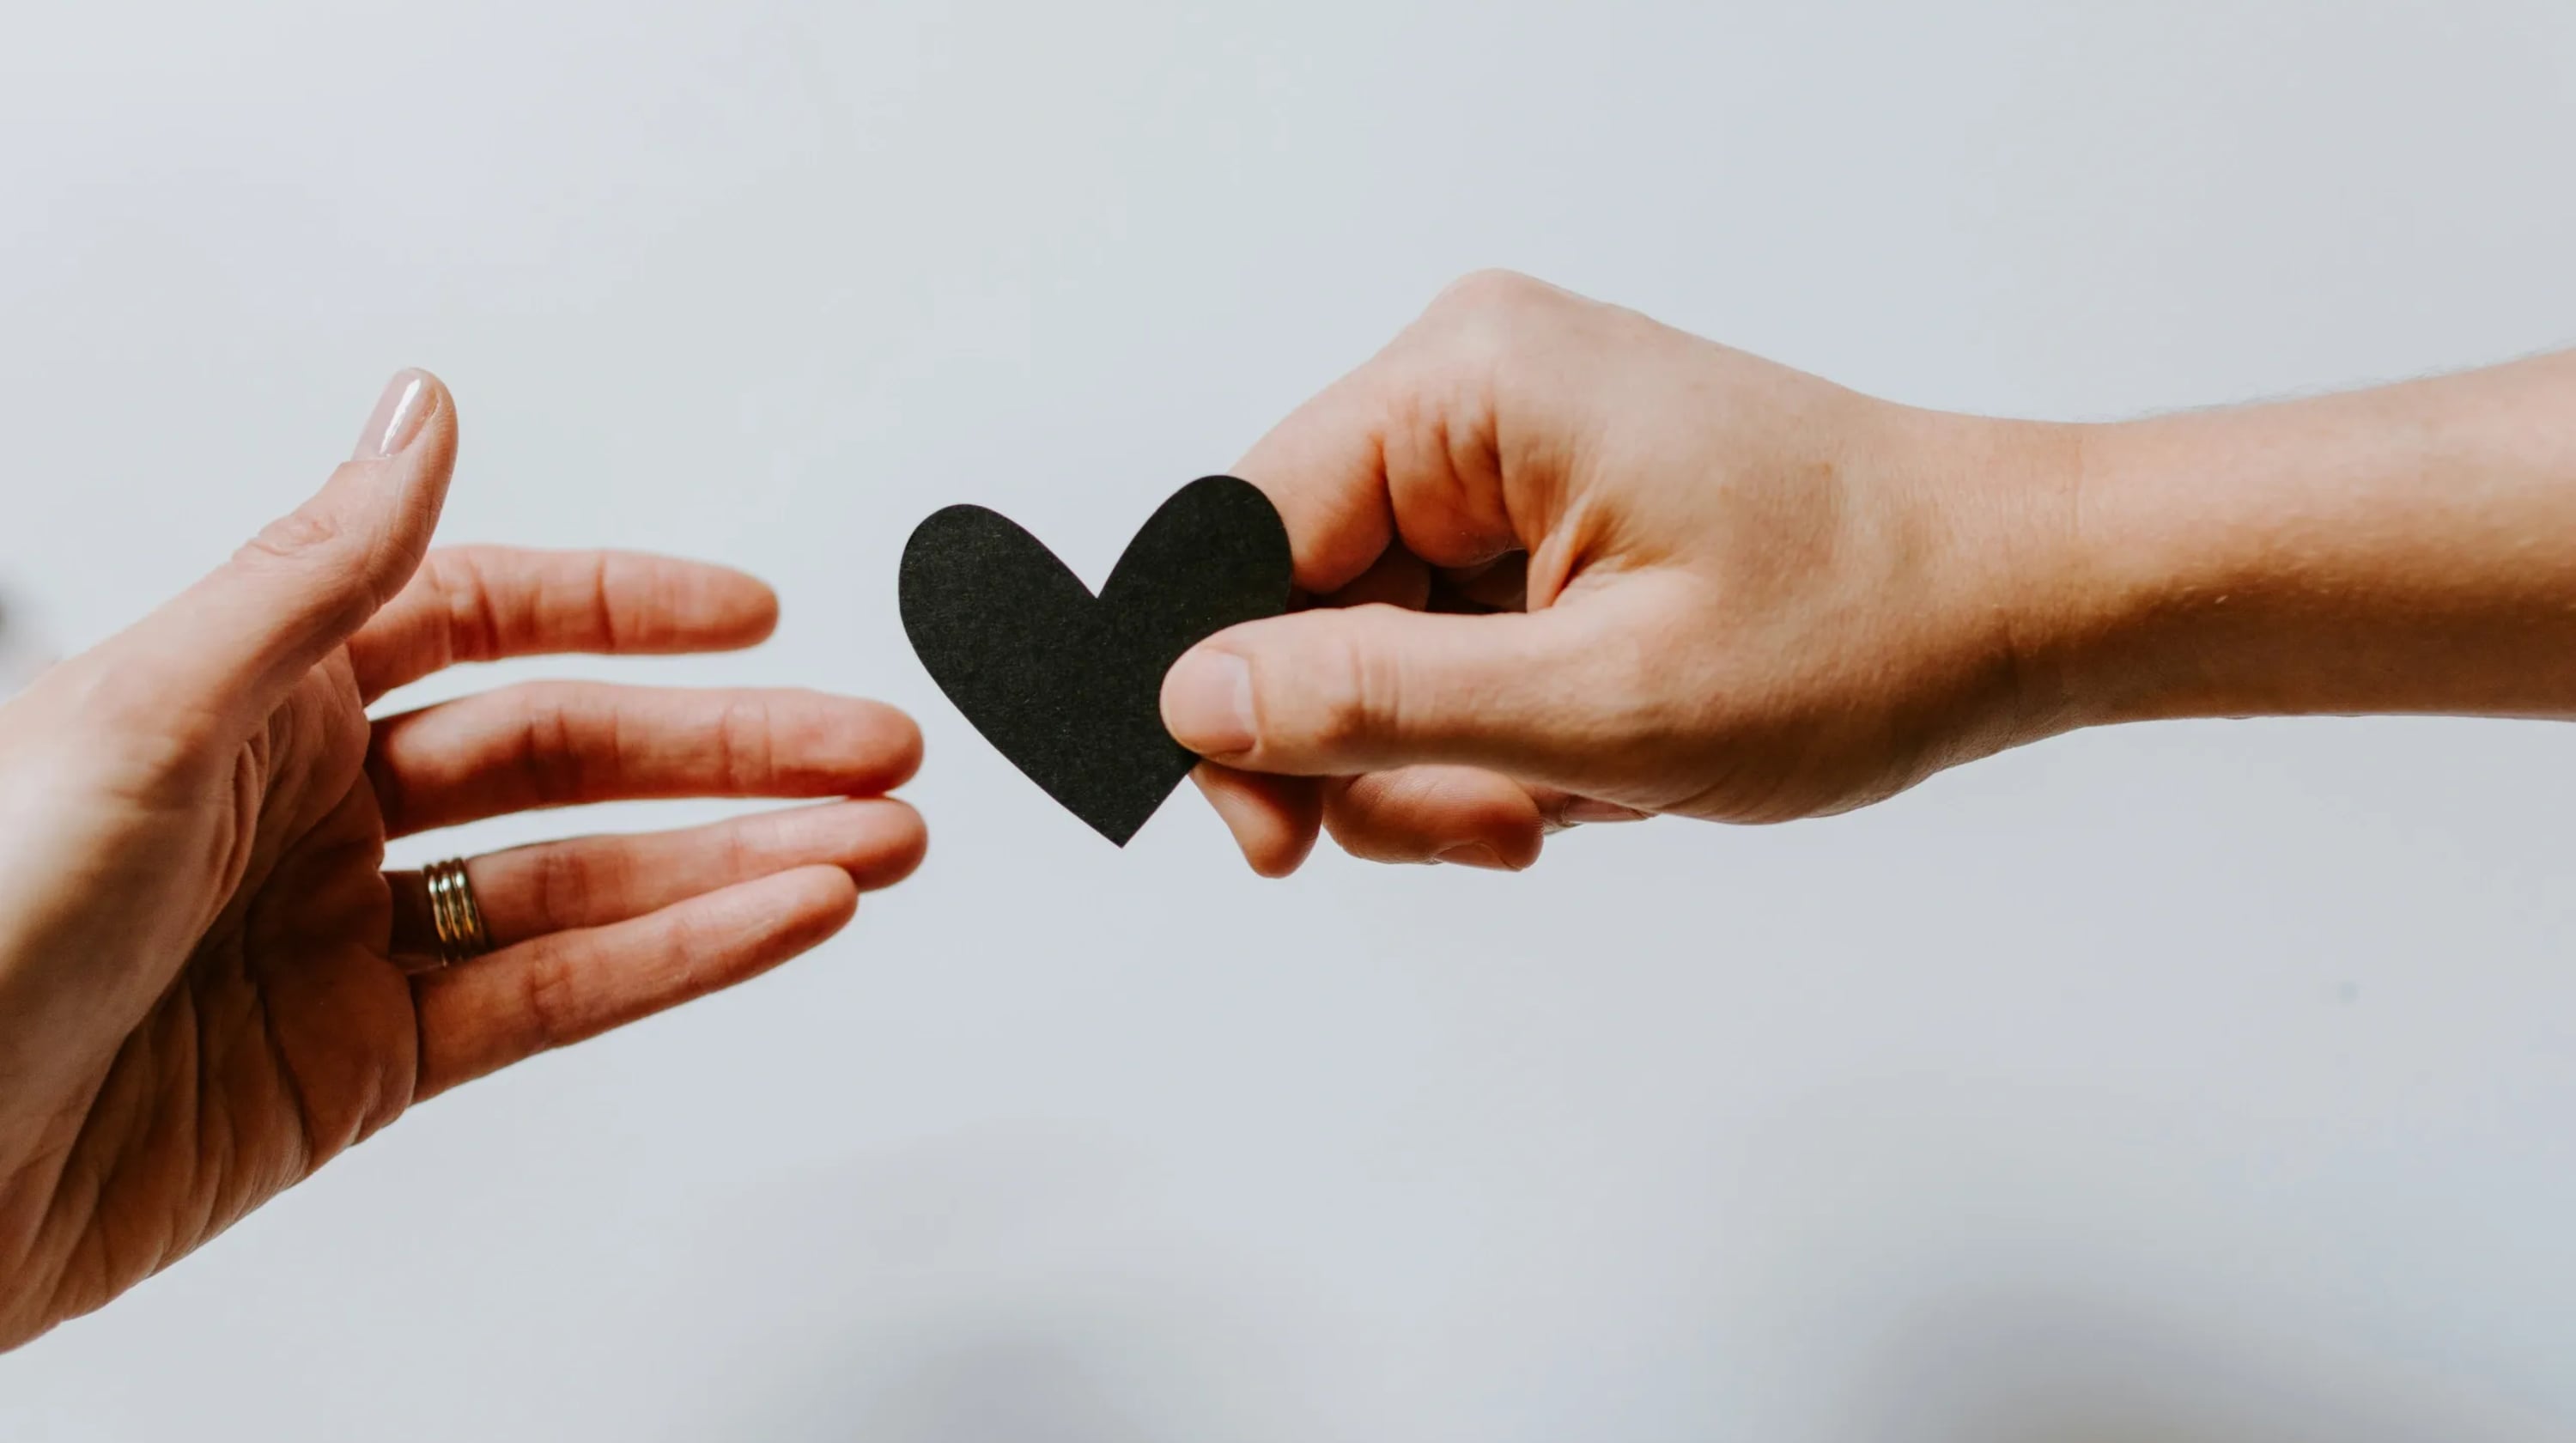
(481, 1016)
(483, 603)
(560, 886)
(558, 744)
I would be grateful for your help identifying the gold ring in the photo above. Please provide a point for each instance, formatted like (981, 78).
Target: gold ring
(453, 914)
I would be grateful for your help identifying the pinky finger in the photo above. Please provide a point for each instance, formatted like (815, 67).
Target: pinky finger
(481, 1016)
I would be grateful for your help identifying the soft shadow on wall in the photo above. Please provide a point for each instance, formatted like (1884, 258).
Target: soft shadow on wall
(2036, 1366)
(2000, 1371)
(1001, 1387)
(1000, 1285)
(1020, 1288)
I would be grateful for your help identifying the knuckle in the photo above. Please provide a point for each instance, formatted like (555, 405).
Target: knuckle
(296, 536)
(1475, 338)
(1481, 317)
(547, 996)
(567, 884)
(474, 618)
(693, 943)
(316, 543)
(550, 750)
(1356, 693)
(1490, 292)
(599, 597)
(458, 586)
(745, 755)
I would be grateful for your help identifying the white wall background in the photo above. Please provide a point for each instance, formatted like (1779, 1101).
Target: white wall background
(2189, 1084)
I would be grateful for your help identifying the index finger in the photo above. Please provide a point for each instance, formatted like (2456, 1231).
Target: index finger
(484, 603)
(1324, 468)
(1414, 445)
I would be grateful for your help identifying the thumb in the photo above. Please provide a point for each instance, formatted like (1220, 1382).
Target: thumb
(238, 640)
(1341, 691)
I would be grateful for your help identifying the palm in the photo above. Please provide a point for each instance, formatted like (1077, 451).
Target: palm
(288, 1032)
(300, 1019)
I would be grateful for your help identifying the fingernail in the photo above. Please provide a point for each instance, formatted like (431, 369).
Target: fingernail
(1207, 702)
(396, 421)
(1589, 809)
(1476, 854)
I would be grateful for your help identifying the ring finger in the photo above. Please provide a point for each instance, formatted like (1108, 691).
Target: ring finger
(535, 891)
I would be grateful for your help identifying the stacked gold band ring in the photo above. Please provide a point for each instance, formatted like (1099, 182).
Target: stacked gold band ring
(453, 914)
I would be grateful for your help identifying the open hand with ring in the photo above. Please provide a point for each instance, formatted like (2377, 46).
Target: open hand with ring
(209, 986)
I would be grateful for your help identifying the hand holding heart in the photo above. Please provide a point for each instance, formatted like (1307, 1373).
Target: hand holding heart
(1575, 566)
(1715, 587)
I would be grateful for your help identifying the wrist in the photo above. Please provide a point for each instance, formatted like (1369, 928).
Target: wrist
(2100, 574)
(2143, 577)
(2006, 509)
(2392, 550)
(2157, 587)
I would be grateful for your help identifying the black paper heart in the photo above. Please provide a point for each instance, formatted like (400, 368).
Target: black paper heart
(1068, 685)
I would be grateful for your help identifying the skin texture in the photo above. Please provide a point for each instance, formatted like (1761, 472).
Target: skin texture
(209, 987)
(1569, 565)
(1565, 565)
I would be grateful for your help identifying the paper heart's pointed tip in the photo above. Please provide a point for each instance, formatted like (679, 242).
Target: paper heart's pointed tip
(1067, 685)
(1120, 828)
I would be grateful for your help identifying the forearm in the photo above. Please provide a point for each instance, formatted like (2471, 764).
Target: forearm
(2405, 549)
